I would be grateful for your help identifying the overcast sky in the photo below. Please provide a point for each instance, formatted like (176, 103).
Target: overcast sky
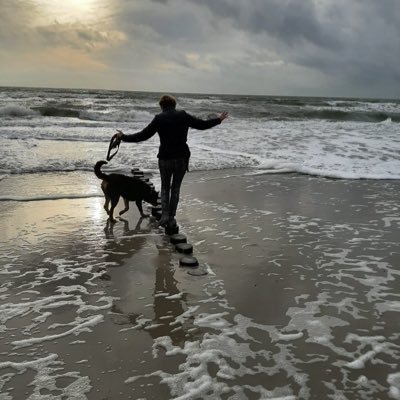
(283, 47)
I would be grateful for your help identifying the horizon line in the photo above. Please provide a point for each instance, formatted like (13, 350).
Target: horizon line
(196, 93)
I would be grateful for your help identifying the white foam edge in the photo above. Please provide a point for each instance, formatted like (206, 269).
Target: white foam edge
(175, 296)
(75, 330)
(209, 270)
(49, 197)
(293, 168)
(35, 364)
(394, 381)
(359, 362)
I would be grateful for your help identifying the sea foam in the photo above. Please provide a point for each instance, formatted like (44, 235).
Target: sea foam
(335, 138)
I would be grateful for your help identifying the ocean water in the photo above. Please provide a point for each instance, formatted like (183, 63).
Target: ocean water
(57, 130)
(301, 298)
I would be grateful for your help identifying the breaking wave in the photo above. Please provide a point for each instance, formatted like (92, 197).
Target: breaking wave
(14, 110)
(336, 115)
(279, 110)
(18, 111)
(64, 130)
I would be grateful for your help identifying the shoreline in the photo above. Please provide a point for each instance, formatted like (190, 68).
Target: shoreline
(301, 299)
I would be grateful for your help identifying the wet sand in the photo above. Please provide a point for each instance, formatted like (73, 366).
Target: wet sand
(301, 300)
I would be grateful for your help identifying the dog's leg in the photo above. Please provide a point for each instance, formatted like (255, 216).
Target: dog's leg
(106, 196)
(140, 208)
(114, 202)
(106, 204)
(126, 202)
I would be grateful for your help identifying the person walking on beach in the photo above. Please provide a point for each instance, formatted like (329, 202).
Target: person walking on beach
(173, 157)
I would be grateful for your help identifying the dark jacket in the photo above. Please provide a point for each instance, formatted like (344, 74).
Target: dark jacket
(172, 126)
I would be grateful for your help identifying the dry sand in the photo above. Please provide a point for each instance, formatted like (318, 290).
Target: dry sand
(300, 301)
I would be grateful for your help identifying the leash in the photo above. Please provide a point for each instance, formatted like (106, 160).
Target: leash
(114, 143)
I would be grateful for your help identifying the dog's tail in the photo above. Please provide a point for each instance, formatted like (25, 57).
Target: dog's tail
(97, 170)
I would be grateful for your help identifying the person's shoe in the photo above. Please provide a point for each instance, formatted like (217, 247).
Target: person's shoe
(164, 220)
(172, 227)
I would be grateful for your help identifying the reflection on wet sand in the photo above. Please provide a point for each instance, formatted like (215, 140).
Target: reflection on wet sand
(134, 239)
(168, 301)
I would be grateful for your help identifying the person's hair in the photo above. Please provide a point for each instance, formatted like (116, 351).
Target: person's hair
(167, 101)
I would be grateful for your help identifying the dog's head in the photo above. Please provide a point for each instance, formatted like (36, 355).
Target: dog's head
(152, 197)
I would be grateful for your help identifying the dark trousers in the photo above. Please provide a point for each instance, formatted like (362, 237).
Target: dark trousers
(172, 172)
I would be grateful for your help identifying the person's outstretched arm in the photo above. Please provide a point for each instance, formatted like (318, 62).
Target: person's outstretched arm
(201, 124)
(144, 134)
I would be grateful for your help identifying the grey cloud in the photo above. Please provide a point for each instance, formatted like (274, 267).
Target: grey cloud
(173, 23)
(15, 19)
(291, 21)
(372, 50)
(354, 41)
(75, 35)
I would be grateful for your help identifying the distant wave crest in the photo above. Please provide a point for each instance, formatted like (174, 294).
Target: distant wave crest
(119, 116)
(14, 110)
(340, 115)
(47, 111)
(17, 111)
(292, 110)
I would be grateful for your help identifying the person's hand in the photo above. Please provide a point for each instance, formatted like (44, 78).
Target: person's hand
(119, 134)
(223, 116)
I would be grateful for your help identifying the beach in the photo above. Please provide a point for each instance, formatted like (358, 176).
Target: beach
(283, 282)
(300, 299)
